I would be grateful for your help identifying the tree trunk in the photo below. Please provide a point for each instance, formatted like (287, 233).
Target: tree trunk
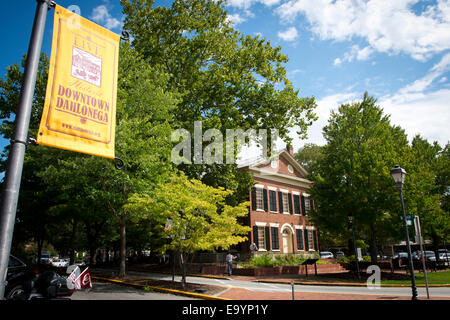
(373, 245)
(183, 270)
(72, 241)
(123, 246)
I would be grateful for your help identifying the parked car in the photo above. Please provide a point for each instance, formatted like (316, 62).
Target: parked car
(429, 255)
(16, 277)
(326, 255)
(340, 254)
(45, 258)
(60, 263)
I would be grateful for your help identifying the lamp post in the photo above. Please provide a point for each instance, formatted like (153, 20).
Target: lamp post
(351, 220)
(399, 174)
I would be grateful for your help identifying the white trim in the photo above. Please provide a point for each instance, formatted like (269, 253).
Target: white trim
(260, 210)
(309, 228)
(284, 190)
(296, 193)
(276, 250)
(260, 224)
(284, 212)
(272, 188)
(259, 186)
(275, 225)
(306, 195)
(311, 250)
(263, 250)
(298, 227)
(279, 177)
(284, 227)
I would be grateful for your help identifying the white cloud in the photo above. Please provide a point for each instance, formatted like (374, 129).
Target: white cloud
(102, 16)
(419, 113)
(245, 4)
(435, 72)
(235, 18)
(387, 26)
(288, 35)
(355, 53)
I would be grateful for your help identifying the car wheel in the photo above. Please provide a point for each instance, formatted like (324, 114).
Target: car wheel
(16, 293)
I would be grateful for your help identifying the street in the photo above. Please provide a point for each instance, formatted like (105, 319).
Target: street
(109, 291)
(286, 288)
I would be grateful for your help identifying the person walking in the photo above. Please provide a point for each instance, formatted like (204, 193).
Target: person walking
(229, 259)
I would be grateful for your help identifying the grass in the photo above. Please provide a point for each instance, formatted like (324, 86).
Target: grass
(441, 277)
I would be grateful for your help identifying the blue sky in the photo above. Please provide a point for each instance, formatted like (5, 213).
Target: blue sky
(398, 51)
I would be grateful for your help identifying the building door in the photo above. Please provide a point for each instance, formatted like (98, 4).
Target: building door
(287, 241)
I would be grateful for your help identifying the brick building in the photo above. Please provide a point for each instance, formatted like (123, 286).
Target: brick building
(280, 205)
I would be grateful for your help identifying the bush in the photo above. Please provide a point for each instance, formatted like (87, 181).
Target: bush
(276, 260)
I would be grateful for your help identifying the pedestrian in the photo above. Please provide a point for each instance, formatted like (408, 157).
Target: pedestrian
(253, 247)
(229, 259)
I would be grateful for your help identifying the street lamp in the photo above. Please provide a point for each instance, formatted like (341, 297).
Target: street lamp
(399, 174)
(351, 220)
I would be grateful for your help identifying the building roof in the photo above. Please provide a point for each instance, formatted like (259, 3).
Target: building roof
(256, 165)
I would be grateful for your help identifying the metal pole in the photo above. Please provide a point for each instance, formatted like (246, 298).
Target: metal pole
(293, 293)
(356, 253)
(19, 141)
(411, 267)
(419, 236)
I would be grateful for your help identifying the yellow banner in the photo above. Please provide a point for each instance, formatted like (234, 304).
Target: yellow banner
(80, 102)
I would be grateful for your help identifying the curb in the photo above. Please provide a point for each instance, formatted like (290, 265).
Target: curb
(163, 290)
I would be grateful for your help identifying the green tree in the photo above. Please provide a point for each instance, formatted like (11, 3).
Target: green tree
(352, 176)
(423, 194)
(226, 79)
(199, 218)
(308, 155)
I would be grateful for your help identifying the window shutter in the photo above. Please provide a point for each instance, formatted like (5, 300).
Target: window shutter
(303, 206)
(296, 204)
(280, 201)
(306, 240)
(267, 229)
(290, 203)
(316, 247)
(300, 240)
(275, 238)
(254, 198)
(255, 235)
(265, 200)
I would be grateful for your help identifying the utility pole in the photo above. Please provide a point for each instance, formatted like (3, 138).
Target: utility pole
(19, 140)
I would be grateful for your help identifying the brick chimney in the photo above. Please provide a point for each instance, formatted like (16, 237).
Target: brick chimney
(290, 149)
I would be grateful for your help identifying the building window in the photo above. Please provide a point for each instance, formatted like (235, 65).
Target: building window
(275, 238)
(300, 240)
(261, 238)
(285, 203)
(273, 200)
(296, 204)
(311, 240)
(259, 199)
(307, 205)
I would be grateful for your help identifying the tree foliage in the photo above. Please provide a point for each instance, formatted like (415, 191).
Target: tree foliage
(195, 216)
(226, 79)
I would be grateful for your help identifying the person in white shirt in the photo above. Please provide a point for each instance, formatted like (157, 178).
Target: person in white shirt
(229, 259)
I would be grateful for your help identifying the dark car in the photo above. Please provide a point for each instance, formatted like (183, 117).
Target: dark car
(16, 278)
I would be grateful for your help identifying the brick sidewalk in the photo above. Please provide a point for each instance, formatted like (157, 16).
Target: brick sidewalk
(244, 294)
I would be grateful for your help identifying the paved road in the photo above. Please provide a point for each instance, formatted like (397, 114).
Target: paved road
(109, 291)
(275, 287)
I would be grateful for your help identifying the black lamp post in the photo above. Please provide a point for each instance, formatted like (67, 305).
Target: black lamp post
(351, 220)
(399, 174)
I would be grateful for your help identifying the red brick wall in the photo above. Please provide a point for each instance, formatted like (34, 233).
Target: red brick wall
(276, 217)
